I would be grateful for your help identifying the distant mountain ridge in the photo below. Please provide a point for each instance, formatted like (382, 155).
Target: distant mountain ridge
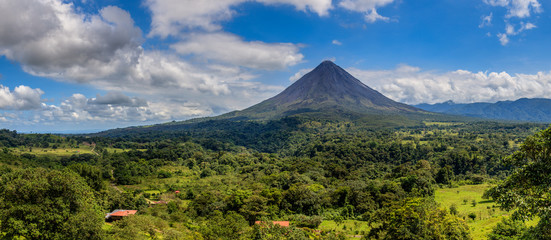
(327, 88)
(524, 109)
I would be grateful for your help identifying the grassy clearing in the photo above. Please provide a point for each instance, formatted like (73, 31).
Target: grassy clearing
(61, 151)
(440, 124)
(468, 200)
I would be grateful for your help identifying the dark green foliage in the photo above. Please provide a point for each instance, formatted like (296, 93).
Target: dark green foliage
(48, 204)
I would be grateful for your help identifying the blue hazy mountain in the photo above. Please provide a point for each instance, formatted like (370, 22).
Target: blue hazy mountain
(524, 109)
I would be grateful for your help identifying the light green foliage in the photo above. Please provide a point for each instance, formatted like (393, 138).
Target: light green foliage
(508, 229)
(418, 219)
(48, 204)
(148, 227)
(232, 226)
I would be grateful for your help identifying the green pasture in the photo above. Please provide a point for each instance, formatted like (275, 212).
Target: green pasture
(60, 151)
(487, 212)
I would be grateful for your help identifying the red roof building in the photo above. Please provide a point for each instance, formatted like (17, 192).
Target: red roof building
(280, 223)
(119, 214)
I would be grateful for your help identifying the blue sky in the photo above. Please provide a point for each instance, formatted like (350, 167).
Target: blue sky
(87, 65)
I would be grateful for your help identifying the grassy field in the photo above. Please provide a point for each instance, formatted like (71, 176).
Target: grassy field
(468, 199)
(61, 151)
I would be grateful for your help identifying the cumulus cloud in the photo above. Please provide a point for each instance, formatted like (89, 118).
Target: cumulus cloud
(114, 106)
(321, 7)
(368, 7)
(104, 50)
(336, 42)
(231, 49)
(412, 85)
(117, 99)
(50, 39)
(21, 98)
(170, 17)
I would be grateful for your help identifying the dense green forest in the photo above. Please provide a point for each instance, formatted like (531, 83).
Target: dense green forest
(216, 180)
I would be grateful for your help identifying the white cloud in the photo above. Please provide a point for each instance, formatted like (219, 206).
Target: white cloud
(486, 21)
(104, 51)
(321, 7)
(510, 31)
(517, 8)
(60, 43)
(336, 42)
(299, 74)
(503, 38)
(529, 26)
(231, 49)
(372, 16)
(368, 7)
(170, 17)
(21, 98)
(412, 85)
(114, 107)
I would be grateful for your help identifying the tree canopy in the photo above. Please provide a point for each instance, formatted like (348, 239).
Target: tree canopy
(527, 189)
(48, 204)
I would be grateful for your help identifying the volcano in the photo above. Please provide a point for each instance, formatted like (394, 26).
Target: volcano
(326, 89)
(327, 93)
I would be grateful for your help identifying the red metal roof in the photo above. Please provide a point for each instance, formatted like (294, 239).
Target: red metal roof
(280, 223)
(123, 213)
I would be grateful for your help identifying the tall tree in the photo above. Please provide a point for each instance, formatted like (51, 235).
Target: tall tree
(526, 191)
(48, 204)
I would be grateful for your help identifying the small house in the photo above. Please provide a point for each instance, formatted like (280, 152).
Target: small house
(119, 214)
(280, 223)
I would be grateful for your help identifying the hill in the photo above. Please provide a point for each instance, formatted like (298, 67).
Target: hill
(524, 109)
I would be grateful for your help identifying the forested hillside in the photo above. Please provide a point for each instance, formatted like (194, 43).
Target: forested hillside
(330, 179)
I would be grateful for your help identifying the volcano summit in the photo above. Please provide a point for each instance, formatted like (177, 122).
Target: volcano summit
(326, 89)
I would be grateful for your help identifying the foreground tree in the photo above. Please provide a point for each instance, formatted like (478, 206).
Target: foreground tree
(526, 191)
(48, 204)
(418, 218)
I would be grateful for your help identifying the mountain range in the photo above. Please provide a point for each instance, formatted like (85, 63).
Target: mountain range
(524, 109)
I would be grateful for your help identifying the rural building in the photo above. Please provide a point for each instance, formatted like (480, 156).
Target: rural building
(280, 223)
(119, 214)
